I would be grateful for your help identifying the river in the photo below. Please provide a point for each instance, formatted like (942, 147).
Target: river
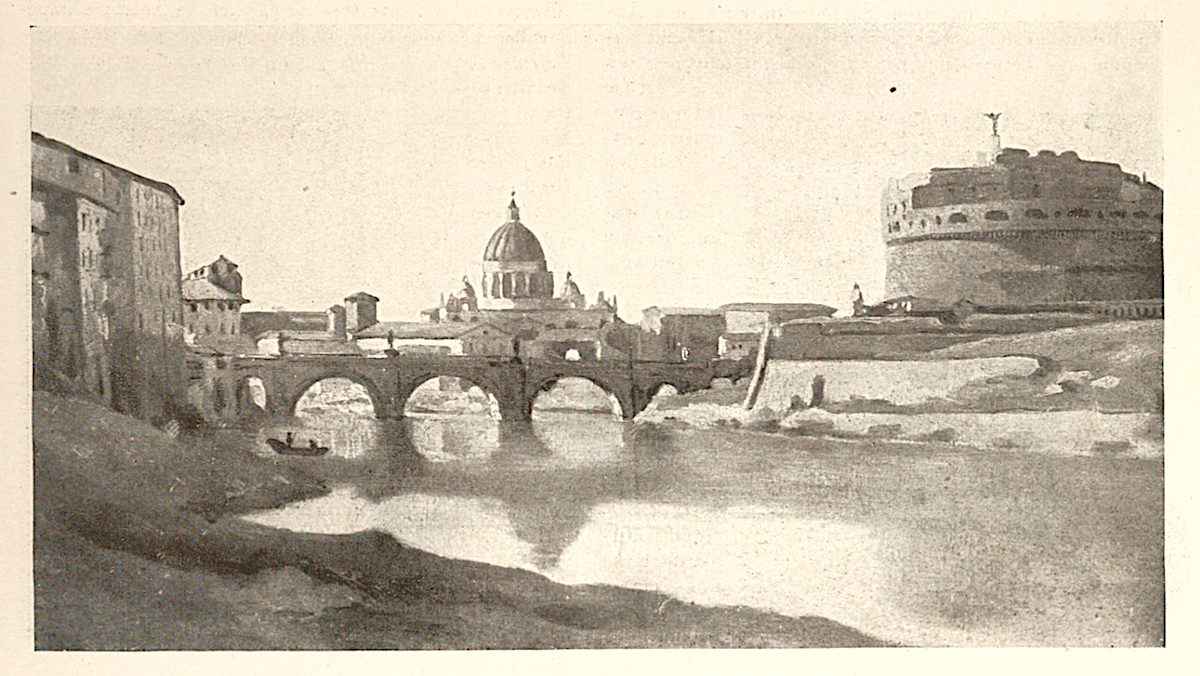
(920, 544)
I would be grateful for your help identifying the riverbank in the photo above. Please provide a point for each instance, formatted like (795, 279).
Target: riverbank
(1081, 390)
(136, 547)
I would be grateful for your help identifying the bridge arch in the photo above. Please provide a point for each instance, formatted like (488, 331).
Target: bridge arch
(246, 394)
(621, 394)
(411, 385)
(379, 402)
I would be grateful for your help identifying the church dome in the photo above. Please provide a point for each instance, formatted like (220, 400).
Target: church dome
(513, 242)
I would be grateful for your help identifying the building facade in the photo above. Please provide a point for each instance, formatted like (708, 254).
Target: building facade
(212, 306)
(106, 311)
(452, 338)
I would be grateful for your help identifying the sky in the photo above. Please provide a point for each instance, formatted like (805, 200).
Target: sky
(667, 164)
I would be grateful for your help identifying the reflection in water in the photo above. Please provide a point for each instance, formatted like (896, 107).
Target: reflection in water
(916, 544)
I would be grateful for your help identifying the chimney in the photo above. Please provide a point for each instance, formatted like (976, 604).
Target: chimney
(336, 321)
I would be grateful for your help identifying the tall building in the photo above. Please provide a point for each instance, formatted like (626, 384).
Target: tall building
(106, 304)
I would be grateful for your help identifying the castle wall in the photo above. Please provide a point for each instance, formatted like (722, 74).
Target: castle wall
(1028, 267)
(1027, 251)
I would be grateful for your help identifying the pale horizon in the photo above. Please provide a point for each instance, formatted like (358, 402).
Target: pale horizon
(668, 165)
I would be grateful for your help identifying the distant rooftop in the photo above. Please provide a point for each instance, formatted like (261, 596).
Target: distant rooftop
(666, 310)
(815, 308)
(423, 330)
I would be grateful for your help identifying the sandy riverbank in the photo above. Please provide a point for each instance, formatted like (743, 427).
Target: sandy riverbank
(1083, 390)
(135, 547)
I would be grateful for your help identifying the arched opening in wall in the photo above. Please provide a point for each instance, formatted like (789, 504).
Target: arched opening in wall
(442, 396)
(335, 399)
(574, 395)
(251, 396)
(958, 217)
(996, 215)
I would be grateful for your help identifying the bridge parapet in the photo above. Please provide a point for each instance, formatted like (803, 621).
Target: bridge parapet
(514, 382)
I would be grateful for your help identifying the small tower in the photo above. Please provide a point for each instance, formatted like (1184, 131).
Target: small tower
(360, 311)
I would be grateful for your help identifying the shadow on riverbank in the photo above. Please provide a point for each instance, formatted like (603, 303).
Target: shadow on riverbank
(134, 549)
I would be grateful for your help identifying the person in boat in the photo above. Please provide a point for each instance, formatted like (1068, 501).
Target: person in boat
(290, 438)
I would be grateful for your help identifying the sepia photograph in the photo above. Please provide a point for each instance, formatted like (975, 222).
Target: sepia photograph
(524, 336)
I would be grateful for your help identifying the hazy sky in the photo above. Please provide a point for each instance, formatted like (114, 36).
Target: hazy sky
(677, 165)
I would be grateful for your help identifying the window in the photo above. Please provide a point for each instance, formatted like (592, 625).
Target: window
(1035, 213)
(996, 215)
(937, 220)
(958, 217)
(73, 165)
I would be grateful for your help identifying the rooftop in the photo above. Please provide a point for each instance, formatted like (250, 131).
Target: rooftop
(513, 242)
(165, 187)
(815, 308)
(423, 330)
(664, 310)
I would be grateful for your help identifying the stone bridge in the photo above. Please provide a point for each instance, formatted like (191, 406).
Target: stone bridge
(514, 382)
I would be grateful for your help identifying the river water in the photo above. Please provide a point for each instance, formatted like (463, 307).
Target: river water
(920, 544)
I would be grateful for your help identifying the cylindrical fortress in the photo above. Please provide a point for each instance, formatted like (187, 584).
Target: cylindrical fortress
(1024, 230)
